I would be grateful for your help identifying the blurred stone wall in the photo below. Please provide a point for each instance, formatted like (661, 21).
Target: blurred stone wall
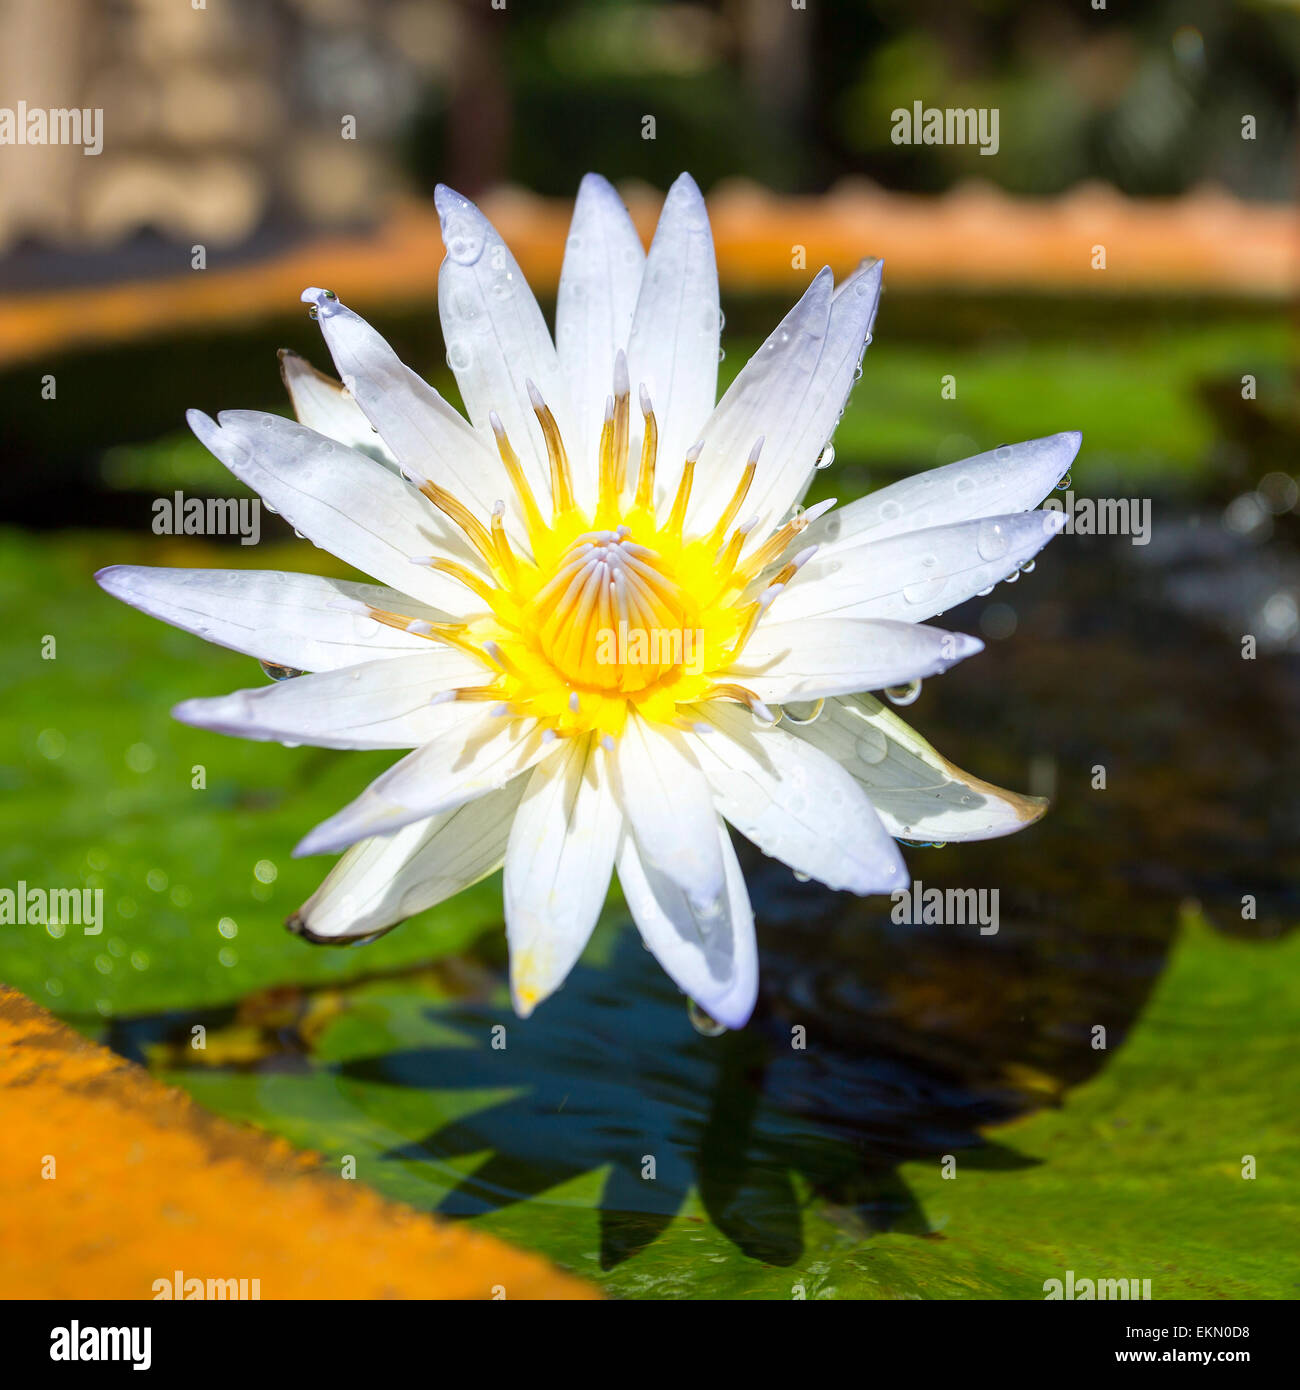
(220, 117)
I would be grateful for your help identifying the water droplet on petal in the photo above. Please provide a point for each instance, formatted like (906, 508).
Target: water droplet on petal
(992, 541)
(802, 711)
(903, 694)
(826, 457)
(871, 745)
(704, 1024)
(276, 672)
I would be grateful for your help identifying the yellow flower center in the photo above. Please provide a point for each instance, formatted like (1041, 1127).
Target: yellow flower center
(610, 612)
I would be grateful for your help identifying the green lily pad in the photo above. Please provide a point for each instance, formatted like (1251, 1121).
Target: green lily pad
(608, 1135)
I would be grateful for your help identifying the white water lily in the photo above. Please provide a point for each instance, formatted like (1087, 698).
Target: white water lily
(602, 614)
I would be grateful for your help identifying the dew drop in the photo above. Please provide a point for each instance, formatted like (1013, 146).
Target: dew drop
(704, 1024)
(1064, 483)
(802, 711)
(463, 239)
(826, 457)
(276, 672)
(871, 745)
(903, 694)
(992, 540)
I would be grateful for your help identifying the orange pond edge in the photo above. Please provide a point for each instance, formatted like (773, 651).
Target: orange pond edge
(974, 237)
(147, 1183)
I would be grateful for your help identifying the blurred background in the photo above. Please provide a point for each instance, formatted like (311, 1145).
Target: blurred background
(1125, 264)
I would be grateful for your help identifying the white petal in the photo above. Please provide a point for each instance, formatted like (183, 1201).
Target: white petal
(853, 313)
(918, 793)
(558, 866)
(380, 704)
(470, 759)
(914, 576)
(774, 398)
(667, 803)
(673, 347)
(428, 437)
(323, 405)
(272, 614)
(497, 339)
(1010, 478)
(382, 881)
(813, 658)
(599, 284)
(712, 958)
(347, 503)
(795, 803)
(821, 401)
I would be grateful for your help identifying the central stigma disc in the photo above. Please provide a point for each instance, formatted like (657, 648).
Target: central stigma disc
(610, 618)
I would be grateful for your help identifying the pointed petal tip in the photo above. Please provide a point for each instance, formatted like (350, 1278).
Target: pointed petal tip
(732, 1014)
(205, 428)
(594, 183)
(448, 201)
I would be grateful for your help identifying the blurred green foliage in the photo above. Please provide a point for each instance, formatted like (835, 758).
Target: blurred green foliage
(1149, 96)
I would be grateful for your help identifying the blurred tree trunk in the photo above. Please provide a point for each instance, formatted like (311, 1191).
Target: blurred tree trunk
(478, 125)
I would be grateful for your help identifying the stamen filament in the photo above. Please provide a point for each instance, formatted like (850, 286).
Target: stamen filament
(733, 507)
(561, 479)
(454, 508)
(677, 517)
(622, 415)
(645, 483)
(501, 544)
(514, 470)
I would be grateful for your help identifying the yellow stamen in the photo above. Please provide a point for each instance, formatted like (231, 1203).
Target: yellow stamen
(645, 483)
(738, 497)
(677, 517)
(622, 417)
(515, 471)
(466, 576)
(561, 479)
(454, 508)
